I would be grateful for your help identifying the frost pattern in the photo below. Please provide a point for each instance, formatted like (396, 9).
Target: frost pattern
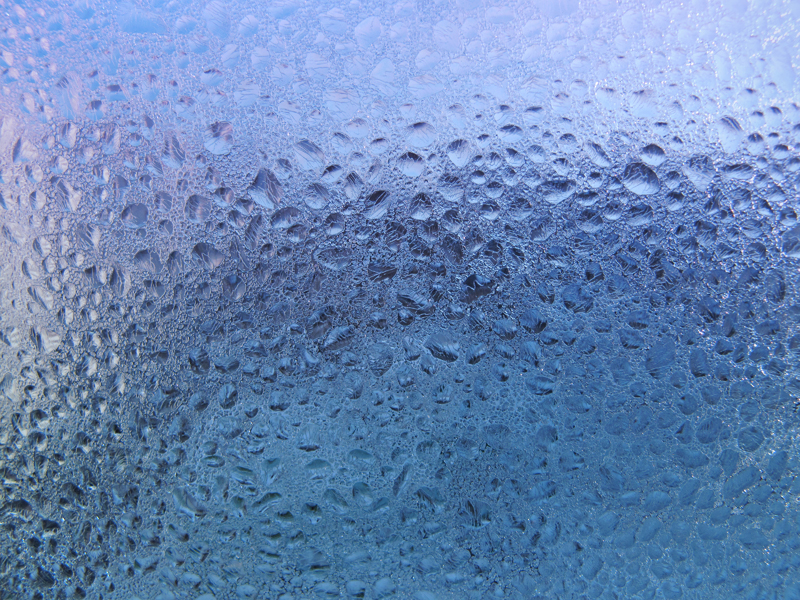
(420, 300)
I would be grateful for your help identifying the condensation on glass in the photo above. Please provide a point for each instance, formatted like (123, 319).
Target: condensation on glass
(430, 300)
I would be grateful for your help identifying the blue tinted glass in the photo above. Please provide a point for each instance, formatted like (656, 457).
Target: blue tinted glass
(417, 300)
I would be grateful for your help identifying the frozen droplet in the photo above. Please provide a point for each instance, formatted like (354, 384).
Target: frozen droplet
(342, 104)
(411, 164)
(309, 156)
(377, 205)
(265, 189)
(197, 208)
(556, 191)
(640, 179)
(459, 152)
(23, 151)
(368, 31)
(134, 216)
(730, 134)
(653, 155)
(207, 255)
(443, 346)
(148, 260)
(420, 135)
(218, 137)
(173, 154)
(217, 18)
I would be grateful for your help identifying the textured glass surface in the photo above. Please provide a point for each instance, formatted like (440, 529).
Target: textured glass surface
(418, 300)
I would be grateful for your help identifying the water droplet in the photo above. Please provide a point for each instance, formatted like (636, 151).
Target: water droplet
(134, 216)
(218, 137)
(640, 179)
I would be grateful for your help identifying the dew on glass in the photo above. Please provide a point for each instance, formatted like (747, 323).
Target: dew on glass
(409, 300)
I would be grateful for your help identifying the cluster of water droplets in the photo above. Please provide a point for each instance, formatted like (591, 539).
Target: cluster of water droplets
(398, 301)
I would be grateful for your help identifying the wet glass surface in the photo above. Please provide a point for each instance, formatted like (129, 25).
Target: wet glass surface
(428, 300)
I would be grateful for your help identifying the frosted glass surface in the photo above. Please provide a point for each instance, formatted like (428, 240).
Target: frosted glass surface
(399, 300)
